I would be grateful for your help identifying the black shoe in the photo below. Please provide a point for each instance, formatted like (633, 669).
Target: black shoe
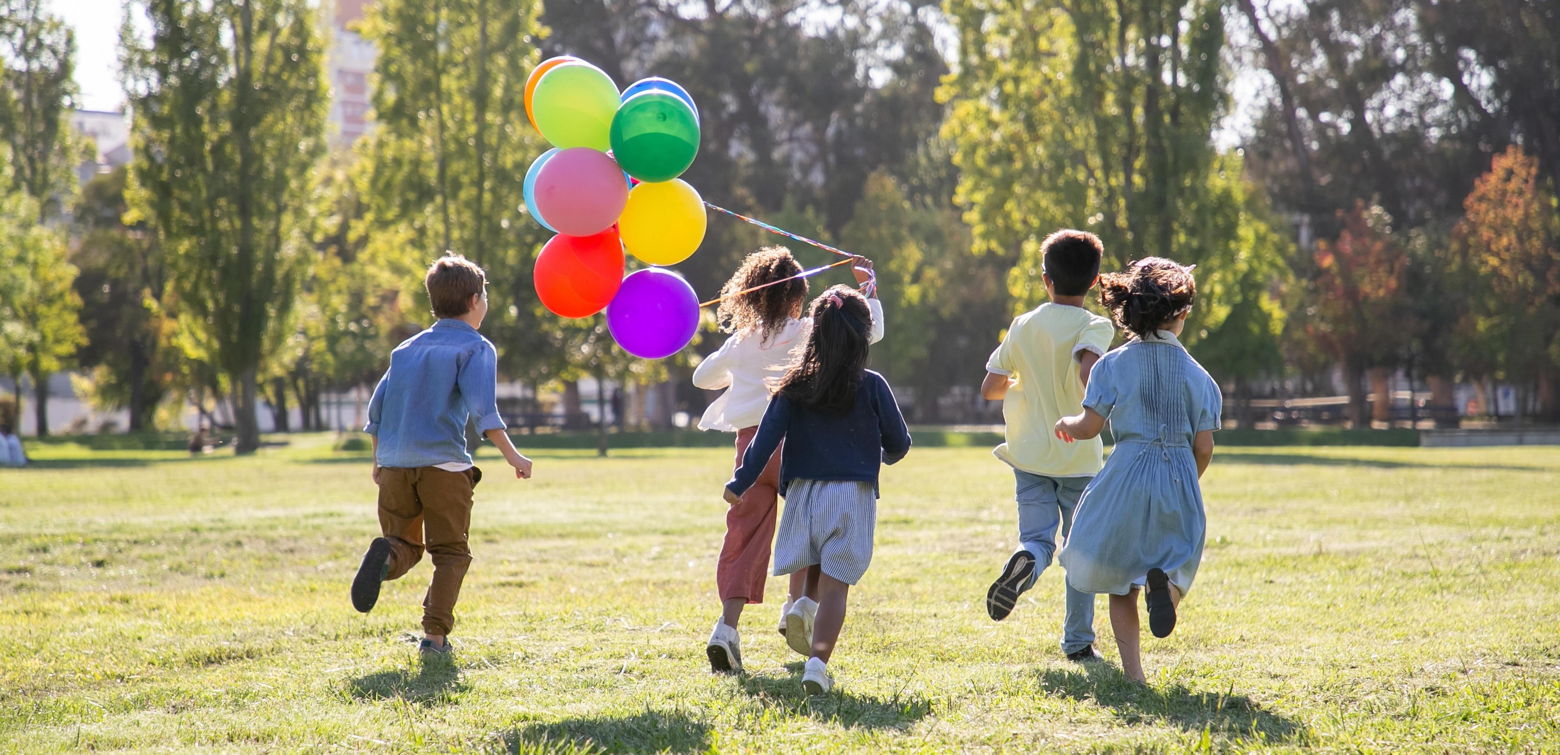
(1086, 654)
(1161, 609)
(427, 648)
(376, 564)
(1004, 592)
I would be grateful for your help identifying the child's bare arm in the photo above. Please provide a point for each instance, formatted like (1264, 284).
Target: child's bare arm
(1082, 426)
(1086, 360)
(375, 439)
(521, 464)
(1202, 450)
(995, 386)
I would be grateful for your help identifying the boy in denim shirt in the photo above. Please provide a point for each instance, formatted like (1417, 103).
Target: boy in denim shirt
(438, 379)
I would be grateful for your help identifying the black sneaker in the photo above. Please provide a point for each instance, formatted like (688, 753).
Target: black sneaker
(1161, 609)
(370, 575)
(1086, 654)
(1004, 592)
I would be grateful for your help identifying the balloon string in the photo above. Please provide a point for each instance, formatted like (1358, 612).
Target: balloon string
(779, 231)
(803, 274)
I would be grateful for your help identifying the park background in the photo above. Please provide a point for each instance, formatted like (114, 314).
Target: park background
(226, 217)
(1367, 189)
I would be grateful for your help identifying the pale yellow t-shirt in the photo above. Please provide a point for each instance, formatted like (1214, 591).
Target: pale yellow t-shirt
(1041, 353)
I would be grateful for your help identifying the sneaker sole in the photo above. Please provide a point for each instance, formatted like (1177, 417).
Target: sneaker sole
(796, 635)
(721, 661)
(365, 586)
(813, 688)
(1161, 609)
(1004, 592)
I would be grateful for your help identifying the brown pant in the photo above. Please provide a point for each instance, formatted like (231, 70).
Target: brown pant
(429, 508)
(750, 531)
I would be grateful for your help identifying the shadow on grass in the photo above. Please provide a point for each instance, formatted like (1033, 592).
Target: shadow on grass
(436, 683)
(1227, 713)
(1224, 456)
(840, 707)
(650, 731)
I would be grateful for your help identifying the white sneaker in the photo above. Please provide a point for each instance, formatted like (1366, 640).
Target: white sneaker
(725, 650)
(785, 608)
(816, 679)
(799, 624)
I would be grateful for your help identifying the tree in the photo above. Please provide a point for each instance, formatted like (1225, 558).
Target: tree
(121, 285)
(1359, 311)
(1510, 236)
(445, 165)
(37, 59)
(229, 103)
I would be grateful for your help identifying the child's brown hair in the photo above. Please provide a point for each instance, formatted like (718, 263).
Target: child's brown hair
(766, 310)
(451, 282)
(1072, 259)
(1150, 293)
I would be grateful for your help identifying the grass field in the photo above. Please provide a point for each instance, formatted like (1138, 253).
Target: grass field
(1351, 599)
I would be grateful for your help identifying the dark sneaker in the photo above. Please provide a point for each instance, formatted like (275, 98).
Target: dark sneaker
(370, 575)
(1004, 592)
(1161, 609)
(426, 647)
(1086, 654)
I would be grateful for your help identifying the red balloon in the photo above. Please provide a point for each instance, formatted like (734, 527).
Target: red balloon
(577, 276)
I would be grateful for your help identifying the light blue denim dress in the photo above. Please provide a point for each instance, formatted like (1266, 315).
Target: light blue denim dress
(1145, 508)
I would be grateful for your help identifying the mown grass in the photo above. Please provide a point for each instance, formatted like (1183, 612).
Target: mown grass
(1351, 599)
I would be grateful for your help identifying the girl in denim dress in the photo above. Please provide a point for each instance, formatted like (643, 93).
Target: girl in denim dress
(1141, 521)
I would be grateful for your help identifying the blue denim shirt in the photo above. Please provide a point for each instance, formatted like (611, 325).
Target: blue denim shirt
(437, 380)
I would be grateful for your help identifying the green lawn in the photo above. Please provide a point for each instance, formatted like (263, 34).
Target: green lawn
(1355, 599)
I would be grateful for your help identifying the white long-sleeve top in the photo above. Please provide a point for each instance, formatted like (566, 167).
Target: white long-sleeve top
(746, 364)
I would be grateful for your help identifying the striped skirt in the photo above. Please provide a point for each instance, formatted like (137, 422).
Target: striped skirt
(829, 523)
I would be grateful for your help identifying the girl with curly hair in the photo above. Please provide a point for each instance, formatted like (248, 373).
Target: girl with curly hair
(1140, 522)
(762, 310)
(839, 423)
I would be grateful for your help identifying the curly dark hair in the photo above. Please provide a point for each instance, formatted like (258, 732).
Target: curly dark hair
(1152, 292)
(827, 373)
(766, 310)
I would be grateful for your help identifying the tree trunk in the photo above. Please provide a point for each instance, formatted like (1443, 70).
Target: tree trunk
(280, 422)
(1442, 402)
(1381, 391)
(1547, 409)
(601, 415)
(572, 407)
(246, 420)
(1354, 384)
(41, 403)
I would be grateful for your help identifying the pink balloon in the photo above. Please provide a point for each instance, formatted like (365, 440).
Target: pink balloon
(581, 191)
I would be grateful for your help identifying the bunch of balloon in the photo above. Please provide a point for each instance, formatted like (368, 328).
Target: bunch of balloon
(611, 183)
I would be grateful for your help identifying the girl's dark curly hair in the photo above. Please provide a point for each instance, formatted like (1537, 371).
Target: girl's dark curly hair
(828, 372)
(765, 311)
(1152, 292)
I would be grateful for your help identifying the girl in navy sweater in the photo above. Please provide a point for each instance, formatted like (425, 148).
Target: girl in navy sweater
(839, 422)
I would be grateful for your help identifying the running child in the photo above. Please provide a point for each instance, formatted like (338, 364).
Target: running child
(765, 324)
(1039, 373)
(840, 423)
(1141, 521)
(417, 418)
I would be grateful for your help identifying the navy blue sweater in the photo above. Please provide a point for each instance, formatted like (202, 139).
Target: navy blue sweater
(819, 446)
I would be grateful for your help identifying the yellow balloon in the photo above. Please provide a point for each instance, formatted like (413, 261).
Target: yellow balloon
(663, 223)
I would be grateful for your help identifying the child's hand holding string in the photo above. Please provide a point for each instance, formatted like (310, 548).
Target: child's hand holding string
(866, 276)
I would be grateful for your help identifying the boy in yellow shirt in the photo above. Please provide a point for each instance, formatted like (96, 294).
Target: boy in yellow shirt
(1039, 373)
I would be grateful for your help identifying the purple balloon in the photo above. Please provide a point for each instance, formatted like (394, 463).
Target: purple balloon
(654, 314)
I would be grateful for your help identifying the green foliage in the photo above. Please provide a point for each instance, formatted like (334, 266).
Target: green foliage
(229, 103)
(39, 329)
(37, 58)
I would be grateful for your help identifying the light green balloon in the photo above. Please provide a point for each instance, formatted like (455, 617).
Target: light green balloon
(574, 104)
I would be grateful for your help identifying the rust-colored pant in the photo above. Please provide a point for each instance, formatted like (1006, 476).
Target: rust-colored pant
(750, 531)
(427, 508)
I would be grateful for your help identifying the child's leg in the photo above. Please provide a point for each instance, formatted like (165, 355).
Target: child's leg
(400, 518)
(1078, 625)
(446, 498)
(750, 529)
(1039, 515)
(831, 616)
(804, 583)
(1124, 623)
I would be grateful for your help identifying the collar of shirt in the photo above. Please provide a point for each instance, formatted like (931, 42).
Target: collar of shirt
(451, 323)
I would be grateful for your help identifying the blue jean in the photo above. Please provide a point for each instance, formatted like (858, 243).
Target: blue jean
(1044, 504)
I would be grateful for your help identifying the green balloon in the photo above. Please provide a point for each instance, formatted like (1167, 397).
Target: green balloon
(574, 104)
(655, 136)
